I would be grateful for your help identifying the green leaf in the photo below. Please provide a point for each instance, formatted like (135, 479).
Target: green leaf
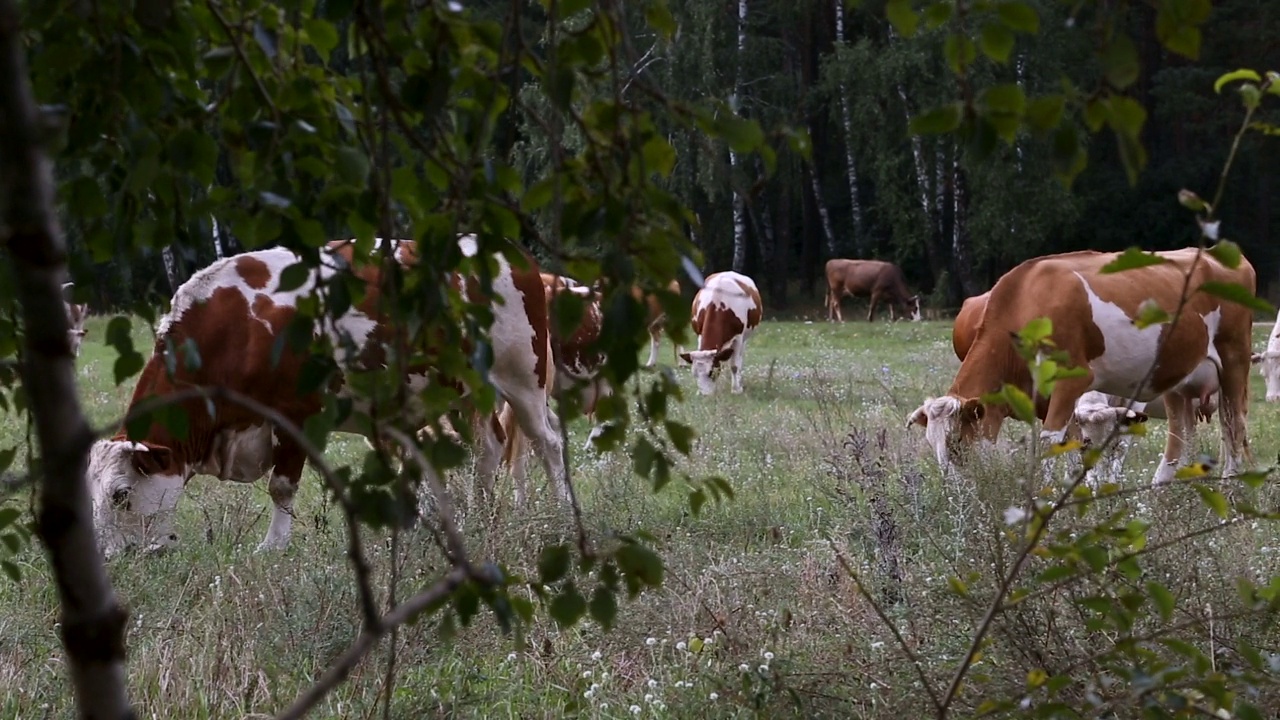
(553, 563)
(604, 607)
(996, 41)
(1237, 293)
(937, 14)
(1020, 16)
(938, 120)
(697, 499)
(1227, 253)
(8, 515)
(1150, 313)
(641, 563)
(1163, 599)
(1120, 62)
(323, 36)
(351, 166)
(902, 17)
(127, 365)
(1044, 113)
(1214, 499)
(742, 135)
(1234, 75)
(568, 607)
(293, 277)
(1020, 404)
(681, 436)
(658, 16)
(1036, 330)
(11, 570)
(1130, 259)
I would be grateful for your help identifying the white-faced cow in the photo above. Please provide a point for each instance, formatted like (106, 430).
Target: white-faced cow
(1270, 363)
(876, 279)
(233, 311)
(1092, 315)
(77, 313)
(725, 312)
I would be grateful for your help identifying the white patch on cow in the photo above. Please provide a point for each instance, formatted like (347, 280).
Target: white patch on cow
(1129, 351)
(1269, 364)
(1054, 436)
(243, 456)
(941, 422)
(130, 509)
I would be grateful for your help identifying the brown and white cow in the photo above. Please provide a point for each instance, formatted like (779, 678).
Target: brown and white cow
(655, 319)
(877, 279)
(1269, 362)
(725, 312)
(966, 325)
(77, 313)
(233, 311)
(1092, 315)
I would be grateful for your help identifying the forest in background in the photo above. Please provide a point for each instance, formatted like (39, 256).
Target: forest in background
(954, 222)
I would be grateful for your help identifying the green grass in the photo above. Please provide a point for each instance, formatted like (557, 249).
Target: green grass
(218, 631)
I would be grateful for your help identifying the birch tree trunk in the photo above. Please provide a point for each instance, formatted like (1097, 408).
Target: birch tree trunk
(739, 202)
(823, 215)
(960, 255)
(92, 620)
(171, 268)
(219, 251)
(851, 165)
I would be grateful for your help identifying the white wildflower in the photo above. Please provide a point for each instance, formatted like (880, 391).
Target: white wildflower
(586, 673)
(652, 683)
(596, 655)
(635, 709)
(768, 656)
(744, 668)
(714, 696)
(650, 642)
(681, 646)
(1014, 515)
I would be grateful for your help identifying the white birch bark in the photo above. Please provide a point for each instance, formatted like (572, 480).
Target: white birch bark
(959, 252)
(823, 214)
(851, 165)
(218, 250)
(171, 268)
(922, 166)
(739, 202)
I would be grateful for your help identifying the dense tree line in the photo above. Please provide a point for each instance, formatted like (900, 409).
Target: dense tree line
(870, 189)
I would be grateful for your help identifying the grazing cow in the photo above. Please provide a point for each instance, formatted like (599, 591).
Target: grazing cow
(876, 278)
(1270, 363)
(233, 311)
(77, 313)
(725, 312)
(1096, 417)
(656, 316)
(1092, 315)
(966, 326)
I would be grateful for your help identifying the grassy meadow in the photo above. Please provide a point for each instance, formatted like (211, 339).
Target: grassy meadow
(756, 616)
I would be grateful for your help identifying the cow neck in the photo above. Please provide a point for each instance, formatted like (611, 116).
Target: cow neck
(991, 362)
(186, 452)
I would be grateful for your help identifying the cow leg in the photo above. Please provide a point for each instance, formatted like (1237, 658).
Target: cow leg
(655, 336)
(1178, 407)
(735, 363)
(1233, 408)
(283, 485)
(541, 426)
(1062, 407)
(871, 311)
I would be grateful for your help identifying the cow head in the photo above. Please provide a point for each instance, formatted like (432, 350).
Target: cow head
(706, 366)
(1269, 363)
(949, 424)
(913, 304)
(135, 493)
(1098, 418)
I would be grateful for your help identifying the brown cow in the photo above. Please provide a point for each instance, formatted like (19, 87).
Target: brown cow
(1092, 315)
(233, 312)
(966, 327)
(875, 278)
(725, 312)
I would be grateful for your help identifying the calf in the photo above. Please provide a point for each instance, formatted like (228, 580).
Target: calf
(1270, 363)
(875, 278)
(233, 312)
(725, 312)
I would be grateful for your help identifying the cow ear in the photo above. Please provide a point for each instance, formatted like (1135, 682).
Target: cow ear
(1256, 358)
(1133, 417)
(919, 417)
(686, 357)
(151, 459)
(972, 410)
(724, 354)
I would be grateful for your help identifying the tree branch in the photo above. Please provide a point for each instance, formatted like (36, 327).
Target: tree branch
(93, 621)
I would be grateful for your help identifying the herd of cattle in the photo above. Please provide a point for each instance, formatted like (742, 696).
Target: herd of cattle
(233, 311)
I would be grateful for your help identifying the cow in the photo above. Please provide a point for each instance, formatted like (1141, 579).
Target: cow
(966, 328)
(1269, 362)
(77, 313)
(234, 312)
(725, 312)
(875, 278)
(1092, 316)
(655, 318)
